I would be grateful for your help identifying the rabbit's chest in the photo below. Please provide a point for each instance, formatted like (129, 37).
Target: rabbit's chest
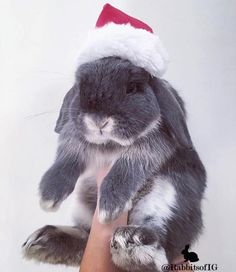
(98, 160)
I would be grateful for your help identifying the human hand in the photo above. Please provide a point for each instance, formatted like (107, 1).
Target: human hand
(97, 255)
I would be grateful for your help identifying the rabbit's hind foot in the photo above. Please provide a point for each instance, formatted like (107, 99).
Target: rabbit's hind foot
(56, 245)
(135, 248)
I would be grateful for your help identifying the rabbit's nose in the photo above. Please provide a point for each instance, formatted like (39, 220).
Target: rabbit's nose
(94, 121)
(99, 121)
(103, 124)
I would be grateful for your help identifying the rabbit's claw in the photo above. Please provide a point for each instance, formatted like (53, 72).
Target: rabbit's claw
(56, 245)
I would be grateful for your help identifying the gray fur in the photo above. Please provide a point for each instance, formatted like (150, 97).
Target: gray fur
(149, 145)
(129, 242)
(56, 245)
(59, 181)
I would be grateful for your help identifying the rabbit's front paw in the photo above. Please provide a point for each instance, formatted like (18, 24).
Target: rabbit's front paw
(49, 205)
(53, 190)
(111, 204)
(51, 200)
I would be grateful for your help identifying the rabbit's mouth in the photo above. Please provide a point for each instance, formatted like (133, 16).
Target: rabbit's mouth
(98, 137)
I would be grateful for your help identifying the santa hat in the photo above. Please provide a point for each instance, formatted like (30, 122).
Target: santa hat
(118, 34)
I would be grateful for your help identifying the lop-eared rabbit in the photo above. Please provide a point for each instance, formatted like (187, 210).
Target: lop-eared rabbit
(119, 116)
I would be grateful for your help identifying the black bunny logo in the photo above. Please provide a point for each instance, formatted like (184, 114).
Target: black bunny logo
(189, 256)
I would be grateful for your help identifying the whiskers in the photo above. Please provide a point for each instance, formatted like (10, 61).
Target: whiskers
(43, 113)
(40, 114)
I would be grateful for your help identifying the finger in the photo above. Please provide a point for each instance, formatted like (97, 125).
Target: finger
(101, 175)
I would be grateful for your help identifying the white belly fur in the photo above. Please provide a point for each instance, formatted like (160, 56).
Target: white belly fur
(81, 213)
(157, 204)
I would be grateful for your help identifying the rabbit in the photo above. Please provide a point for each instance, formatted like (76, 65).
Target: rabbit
(119, 116)
(189, 256)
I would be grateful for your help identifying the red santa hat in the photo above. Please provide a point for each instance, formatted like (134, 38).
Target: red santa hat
(118, 34)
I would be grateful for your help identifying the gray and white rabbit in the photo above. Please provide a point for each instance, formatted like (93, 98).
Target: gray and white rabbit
(117, 115)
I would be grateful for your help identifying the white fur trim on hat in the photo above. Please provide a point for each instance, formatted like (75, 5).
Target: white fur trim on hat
(142, 48)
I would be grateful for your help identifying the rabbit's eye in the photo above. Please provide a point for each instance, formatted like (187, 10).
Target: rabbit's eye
(132, 88)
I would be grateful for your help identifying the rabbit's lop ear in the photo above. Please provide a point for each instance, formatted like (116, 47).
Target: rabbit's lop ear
(64, 111)
(172, 111)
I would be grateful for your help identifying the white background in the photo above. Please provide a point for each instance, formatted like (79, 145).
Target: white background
(38, 47)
